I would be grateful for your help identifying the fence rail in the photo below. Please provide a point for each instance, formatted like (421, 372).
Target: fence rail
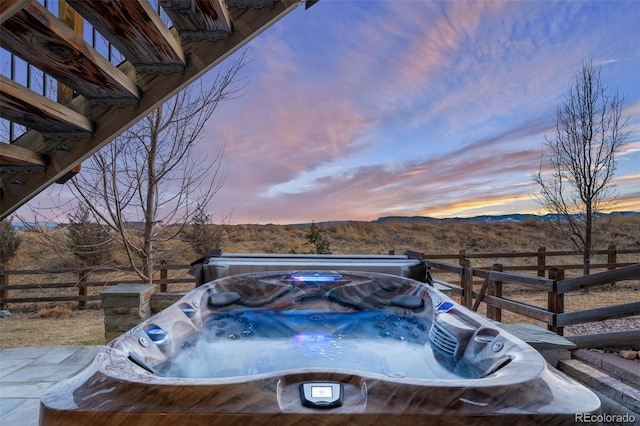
(491, 280)
(79, 278)
(556, 286)
(542, 257)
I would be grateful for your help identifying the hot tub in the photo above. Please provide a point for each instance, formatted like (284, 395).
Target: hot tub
(220, 265)
(316, 347)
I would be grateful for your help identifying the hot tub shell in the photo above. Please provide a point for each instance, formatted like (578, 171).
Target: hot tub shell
(129, 382)
(222, 265)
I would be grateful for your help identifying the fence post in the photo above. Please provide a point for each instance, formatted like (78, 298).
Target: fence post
(462, 255)
(555, 301)
(611, 256)
(495, 289)
(4, 281)
(611, 259)
(466, 282)
(542, 261)
(164, 273)
(82, 289)
(392, 252)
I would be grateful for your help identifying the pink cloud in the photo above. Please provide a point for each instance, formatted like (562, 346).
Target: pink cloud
(369, 192)
(289, 124)
(301, 120)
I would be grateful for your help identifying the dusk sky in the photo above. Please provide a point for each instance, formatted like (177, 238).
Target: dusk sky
(355, 110)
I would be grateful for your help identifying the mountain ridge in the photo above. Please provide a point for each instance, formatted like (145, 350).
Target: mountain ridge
(513, 217)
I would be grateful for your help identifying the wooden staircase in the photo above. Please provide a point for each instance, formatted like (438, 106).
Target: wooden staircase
(102, 100)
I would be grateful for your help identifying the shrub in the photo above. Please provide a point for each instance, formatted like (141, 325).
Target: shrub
(89, 242)
(9, 242)
(55, 312)
(201, 235)
(316, 237)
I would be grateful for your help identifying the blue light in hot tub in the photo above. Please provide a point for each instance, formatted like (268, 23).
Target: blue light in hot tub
(314, 276)
(188, 310)
(303, 338)
(444, 307)
(158, 335)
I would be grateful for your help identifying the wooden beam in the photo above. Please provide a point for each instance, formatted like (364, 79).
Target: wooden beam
(38, 37)
(603, 340)
(65, 94)
(483, 290)
(110, 121)
(137, 31)
(250, 3)
(22, 105)
(12, 155)
(521, 308)
(630, 272)
(10, 7)
(524, 280)
(199, 19)
(68, 16)
(599, 314)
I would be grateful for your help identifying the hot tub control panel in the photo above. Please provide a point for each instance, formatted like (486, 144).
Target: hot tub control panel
(321, 394)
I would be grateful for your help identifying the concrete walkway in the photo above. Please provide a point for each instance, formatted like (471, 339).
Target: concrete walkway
(26, 373)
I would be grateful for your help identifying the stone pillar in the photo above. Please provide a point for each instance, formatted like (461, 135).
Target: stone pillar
(161, 301)
(125, 306)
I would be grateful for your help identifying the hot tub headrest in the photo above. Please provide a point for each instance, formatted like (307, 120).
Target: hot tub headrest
(419, 271)
(224, 298)
(197, 266)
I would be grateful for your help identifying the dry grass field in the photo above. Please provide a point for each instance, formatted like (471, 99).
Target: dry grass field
(357, 238)
(63, 323)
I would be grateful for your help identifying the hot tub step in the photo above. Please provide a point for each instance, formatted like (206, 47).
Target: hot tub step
(627, 371)
(603, 384)
(552, 347)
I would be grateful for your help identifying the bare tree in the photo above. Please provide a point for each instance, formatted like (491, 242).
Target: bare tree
(148, 177)
(581, 157)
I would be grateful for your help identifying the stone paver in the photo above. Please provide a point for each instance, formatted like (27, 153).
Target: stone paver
(26, 374)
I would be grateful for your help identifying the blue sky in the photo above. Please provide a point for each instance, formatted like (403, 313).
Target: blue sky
(356, 110)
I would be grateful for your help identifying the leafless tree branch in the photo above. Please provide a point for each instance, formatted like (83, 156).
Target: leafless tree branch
(149, 176)
(581, 157)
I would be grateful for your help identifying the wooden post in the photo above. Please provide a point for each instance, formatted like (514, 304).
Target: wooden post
(542, 261)
(164, 274)
(4, 281)
(611, 259)
(69, 16)
(495, 289)
(462, 255)
(392, 252)
(611, 256)
(466, 282)
(555, 301)
(82, 289)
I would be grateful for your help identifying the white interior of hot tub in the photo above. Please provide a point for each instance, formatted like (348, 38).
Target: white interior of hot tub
(489, 357)
(374, 342)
